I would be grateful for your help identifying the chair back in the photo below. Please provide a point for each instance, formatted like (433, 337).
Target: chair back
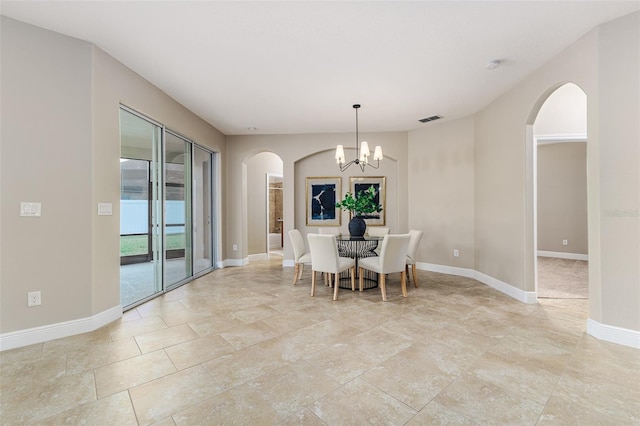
(416, 236)
(333, 230)
(393, 254)
(377, 231)
(297, 243)
(324, 252)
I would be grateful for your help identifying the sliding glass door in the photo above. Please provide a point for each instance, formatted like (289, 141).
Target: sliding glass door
(202, 210)
(166, 209)
(178, 223)
(140, 209)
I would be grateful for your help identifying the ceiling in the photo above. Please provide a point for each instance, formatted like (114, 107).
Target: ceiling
(298, 67)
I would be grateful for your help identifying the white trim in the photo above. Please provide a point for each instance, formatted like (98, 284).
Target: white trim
(443, 269)
(508, 289)
(234, 262)
(562, 255)
(610, 333)
(560, 138)
(45, 333)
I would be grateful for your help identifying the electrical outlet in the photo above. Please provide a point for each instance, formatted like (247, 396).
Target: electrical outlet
(235, 247)
(565, 242)
(456, 253)
(34, 298)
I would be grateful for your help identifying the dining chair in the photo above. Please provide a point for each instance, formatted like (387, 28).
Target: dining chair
(416, 236)
(393, 258)
(325, 258)
(377, 231)
(300, 254)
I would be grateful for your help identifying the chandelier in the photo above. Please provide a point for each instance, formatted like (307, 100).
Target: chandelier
(362, 148)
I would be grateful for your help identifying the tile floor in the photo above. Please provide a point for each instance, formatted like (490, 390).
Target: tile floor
(244, 346)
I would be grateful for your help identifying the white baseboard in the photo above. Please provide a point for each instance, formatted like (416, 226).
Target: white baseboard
(45, 333)
(508, 289)
(610, 333)
(563, 255)
(234, 262)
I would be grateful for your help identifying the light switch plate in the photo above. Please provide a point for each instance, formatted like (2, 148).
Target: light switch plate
(105, 209)
(30, 209)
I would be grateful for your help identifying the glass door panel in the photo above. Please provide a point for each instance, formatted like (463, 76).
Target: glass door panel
(177, 227)
(140, 213)
(202, 179)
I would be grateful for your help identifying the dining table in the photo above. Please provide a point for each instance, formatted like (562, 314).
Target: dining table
(358, 248)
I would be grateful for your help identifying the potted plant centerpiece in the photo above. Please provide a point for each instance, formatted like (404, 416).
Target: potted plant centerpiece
(359, 206)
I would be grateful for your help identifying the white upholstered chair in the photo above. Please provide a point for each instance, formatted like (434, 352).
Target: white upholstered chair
(416, 236)
(324, 258)
(377, 231)
(300, 254)
(393, 258)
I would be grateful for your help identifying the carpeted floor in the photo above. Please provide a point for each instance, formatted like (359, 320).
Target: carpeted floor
(563, 278)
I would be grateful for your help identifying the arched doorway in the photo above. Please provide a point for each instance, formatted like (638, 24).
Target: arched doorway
(262, 172)
(559, 156)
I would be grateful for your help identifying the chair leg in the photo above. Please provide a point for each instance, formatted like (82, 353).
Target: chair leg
(335, 287)
(313, 283)
(361, 274)
(415, 275)
(404, 284)
(301, 269)
(353, 278)
(295, 273)
(383, 287)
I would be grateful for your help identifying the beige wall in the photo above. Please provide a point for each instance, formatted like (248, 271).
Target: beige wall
(257, 168)
(441, 188)
(61, 147)
(311, 155)
(562, 197)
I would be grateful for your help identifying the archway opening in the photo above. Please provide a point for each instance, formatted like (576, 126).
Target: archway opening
(560, 195)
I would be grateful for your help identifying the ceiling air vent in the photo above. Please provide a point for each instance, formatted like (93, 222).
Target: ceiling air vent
(428, 119)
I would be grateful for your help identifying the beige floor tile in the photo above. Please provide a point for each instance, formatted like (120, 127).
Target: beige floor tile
(46, 399)
(379, 342)
(255, 313)
(215, 324)
(304, 417)
(486, 403)
(436, 414)
(198, 351)
(343, 362)
(132, 372)
(521, 377)
(116, 408)
(245, 335)
(262, 351)
(290, 388)
(410, 379)
(123, 329)
(240, 406)
(242, 366)
(359, 403)
(103, 353)
(161, 398)
(165, 337)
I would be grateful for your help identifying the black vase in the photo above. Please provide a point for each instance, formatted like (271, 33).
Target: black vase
(357, 226)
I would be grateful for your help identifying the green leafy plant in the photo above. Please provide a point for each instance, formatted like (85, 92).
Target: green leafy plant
(364, 202)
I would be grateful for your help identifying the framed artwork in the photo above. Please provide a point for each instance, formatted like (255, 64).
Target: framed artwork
(357, 184)
(322, 194)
